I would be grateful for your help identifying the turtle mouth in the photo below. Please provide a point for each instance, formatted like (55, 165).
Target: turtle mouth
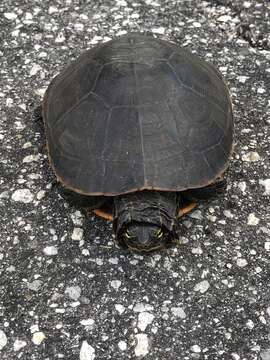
(152, 245)
(146, 249)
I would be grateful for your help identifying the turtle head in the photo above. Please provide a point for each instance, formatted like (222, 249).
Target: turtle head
(145, 220)
(140, 236)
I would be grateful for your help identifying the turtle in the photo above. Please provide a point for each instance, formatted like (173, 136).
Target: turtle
(138, 129)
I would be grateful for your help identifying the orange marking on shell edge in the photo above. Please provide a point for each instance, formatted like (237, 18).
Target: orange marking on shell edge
(103, 214)
(186, 209)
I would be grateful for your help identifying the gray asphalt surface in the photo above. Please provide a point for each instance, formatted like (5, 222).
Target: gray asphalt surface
(66, 291)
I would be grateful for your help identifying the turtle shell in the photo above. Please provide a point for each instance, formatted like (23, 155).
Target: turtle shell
(138, 113)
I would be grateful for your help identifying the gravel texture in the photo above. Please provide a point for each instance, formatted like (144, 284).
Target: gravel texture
(66, 291)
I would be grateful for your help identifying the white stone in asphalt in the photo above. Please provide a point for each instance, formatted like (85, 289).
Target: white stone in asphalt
(115, 284)
(241, 262)
(87, 322)
(35, 69)
(140, 307)
(251, 156)
(122, 345)
(50, 250)
(195, 348)
(77, 234)
(30, 158)
(250, 324)
(266, 184)
(142, 346)
(19, 344)
(120, 308)
(160, 30)
(87, 352)
(10, 15)
(178, 312)
(145, 319)
(202, 286)
(224, 18)
(22, 195)
(38, 337)
(3, 339)
(253, 220)
(73, 292)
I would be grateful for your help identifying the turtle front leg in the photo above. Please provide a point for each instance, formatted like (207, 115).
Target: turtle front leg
(185, 210)
(105, 215)
(191, 196)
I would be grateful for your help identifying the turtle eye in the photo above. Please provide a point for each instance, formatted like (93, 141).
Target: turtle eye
(159, 233)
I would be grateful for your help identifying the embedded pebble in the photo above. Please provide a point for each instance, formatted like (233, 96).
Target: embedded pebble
(142, 346)
(77, 234)
(60, 38)
(10, 15)
(77, 218)
(50, 250)
(160, 30)
(30, 158)
(253, 220)
(38, 337)
(34, 328)
(3, 339)
(228, 214)
(141, 307)
(178, 312)
(87, 322)
(250, 324)
(198, 250)
(261, 90)
(120, 308)
(115, 284)
(22, 195)
(247, 4)
(195, 348)
(113, 261)
(196, 24)
(52, 10)
(4, 195)
(121, 3)
(35, 69)
(241, 262)
(73, 292)
(242, 79)
(197, 214)
(34, 285)
(87, 352)
(144, 319)
(224, 18)
(251, 156)
(41, 194)
(266, 184)
(242, 186)
(122, 345)
(41, 91)
(235, 356)
(202, 286)
(19, 344)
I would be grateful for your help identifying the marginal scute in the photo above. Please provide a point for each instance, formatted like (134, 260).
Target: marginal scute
(138, 113)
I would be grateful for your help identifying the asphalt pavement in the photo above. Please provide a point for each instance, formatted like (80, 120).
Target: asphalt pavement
(66, 290)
